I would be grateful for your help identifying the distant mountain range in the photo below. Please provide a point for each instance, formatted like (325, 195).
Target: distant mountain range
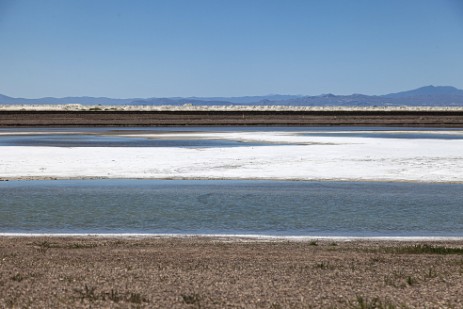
(424, 96)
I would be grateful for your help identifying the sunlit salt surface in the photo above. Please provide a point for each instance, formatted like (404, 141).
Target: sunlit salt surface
(278, 208)
(270, 153)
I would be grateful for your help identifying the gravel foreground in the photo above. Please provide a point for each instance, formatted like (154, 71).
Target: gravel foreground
(194, 272)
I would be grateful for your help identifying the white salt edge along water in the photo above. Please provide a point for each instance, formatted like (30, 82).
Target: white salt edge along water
(239, 237)
(301, 158)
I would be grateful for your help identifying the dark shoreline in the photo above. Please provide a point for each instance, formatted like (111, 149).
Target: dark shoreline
(442, 119)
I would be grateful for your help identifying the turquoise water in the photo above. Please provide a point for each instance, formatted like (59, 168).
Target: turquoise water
(280, 208)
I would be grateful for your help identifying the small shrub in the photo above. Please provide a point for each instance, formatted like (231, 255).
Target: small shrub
(87, 293)
(136, 298)
(18, 277)
(191, 298)
(375, 303)
(276, 306)
(431, 273)
(79, 245)
(411, 280)
(324, 265)
(90, 294)
(43, 244)
(114, 296)
(422, 249)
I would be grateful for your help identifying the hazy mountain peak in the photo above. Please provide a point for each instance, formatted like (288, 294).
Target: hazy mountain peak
(426, 90)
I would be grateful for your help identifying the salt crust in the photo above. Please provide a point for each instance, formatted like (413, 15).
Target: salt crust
(301, 158)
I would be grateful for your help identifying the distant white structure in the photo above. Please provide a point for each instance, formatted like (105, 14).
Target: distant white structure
(191, 107)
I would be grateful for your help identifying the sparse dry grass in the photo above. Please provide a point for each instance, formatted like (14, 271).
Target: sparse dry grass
(217, 273)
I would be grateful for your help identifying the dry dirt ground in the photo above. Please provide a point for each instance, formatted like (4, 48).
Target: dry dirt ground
(90, 272)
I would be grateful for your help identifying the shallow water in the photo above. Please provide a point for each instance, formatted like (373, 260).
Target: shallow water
(390, 134)
(280, 208)
(83, 140)
(182, 136)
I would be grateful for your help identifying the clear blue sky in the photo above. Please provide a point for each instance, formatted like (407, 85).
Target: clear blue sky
(227, 47)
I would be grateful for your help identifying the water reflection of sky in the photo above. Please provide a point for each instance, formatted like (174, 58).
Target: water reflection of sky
(281, 208)
(83, 140)
(188, 137)
(378, 134)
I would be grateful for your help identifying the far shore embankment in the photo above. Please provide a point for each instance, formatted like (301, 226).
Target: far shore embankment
(78, 116)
